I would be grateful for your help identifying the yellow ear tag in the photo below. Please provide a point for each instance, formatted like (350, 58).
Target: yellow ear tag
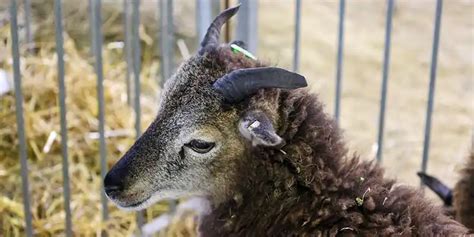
(235, 48)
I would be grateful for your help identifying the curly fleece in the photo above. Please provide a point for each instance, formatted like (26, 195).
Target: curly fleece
(311, 186)
(464, 194)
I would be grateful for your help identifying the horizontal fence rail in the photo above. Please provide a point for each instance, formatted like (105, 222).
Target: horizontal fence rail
(246, 30)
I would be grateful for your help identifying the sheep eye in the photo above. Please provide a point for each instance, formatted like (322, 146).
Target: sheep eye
(200, 146)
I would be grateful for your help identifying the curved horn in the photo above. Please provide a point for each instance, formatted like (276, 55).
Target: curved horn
(213, 32)
(241, 83)
(445, 193)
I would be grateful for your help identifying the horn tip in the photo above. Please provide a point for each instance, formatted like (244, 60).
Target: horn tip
(212, 36)
(233, 10)
(301, 81)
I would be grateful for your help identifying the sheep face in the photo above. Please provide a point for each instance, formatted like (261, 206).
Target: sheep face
(192, 147)
(204, 125)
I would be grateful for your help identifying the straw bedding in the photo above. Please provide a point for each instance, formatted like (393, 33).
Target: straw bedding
(41, 113)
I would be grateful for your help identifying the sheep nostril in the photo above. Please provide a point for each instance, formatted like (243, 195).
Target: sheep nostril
(113, 184)
(112, 189)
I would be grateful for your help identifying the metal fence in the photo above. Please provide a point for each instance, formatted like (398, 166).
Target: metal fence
(246, 30)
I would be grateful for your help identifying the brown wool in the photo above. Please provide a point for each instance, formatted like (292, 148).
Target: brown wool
(284, 193)
(463, 194)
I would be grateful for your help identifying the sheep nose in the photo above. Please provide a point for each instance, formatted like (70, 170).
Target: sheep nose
(113, 184)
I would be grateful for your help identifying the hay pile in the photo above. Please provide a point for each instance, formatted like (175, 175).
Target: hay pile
(41, 113)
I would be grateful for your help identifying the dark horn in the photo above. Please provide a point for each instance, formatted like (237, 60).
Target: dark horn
(241, 83)
(445, 193)
(211, 39)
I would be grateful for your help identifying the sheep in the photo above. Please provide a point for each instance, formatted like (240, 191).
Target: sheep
(458, 202)
(252, 140)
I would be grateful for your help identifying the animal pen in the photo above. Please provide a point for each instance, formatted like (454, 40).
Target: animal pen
(246, 29)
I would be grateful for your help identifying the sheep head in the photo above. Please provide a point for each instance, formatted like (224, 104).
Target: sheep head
(203, 128)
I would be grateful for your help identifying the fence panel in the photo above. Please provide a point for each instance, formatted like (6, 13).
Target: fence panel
(247, 29)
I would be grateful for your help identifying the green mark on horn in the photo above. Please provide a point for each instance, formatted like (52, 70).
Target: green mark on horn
(235, 48)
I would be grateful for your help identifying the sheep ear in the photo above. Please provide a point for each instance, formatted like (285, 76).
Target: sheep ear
(257, 128)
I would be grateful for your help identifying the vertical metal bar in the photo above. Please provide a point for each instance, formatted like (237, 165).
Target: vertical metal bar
(386, 64)
(167, 39)
(91, 23)
(62, 107)
(203, 17)
(100, 97)
(340, 48)
(29, 36)
(215, 8)
(19, 119)
(166, 48)
(127, 49)
(247, 25)
(227, 25)
(136, 76)
(296, 55)
(434, 64)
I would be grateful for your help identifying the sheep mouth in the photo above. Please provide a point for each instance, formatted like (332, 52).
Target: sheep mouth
(123, 203)
(131, 206)
(129, 201)
(136, 204)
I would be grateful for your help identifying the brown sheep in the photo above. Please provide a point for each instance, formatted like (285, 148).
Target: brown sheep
(265, 154)
(458, 202)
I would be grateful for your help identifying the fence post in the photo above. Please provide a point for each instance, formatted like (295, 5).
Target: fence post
(62, 106)
(136, 49)
(97, 42)
(166, 39)
(92, 28)
(434, 65)
(340, 49)
(19, 119)
(205, 12)
(127, 49)
(247, 25)
(203, 18)
(386, 63)
(29, 35)
(296, 56)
